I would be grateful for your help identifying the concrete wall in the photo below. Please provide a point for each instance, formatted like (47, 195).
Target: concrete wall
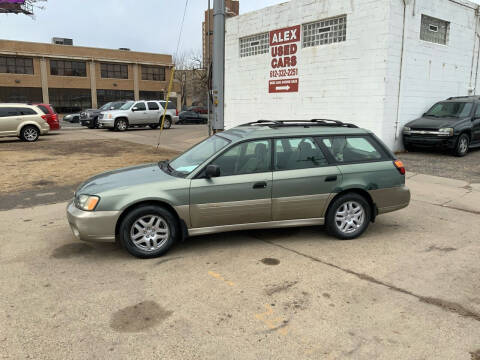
(356, 80)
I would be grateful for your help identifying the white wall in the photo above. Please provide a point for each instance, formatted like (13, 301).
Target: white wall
(356, 80)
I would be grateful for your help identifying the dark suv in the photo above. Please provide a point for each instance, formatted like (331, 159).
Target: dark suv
(452, 124)
(89, 117)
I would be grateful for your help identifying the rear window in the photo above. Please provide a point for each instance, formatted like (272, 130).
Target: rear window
(44, 109)
(348, 149)
(171, 105)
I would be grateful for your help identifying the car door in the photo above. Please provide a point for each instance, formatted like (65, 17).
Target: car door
(303, 179)
(241, 194)
(476, 125)
(153, 112)
(139, 114)
(10, 119)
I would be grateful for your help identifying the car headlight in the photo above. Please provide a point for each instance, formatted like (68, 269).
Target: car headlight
(109, 116)
(86, 202)
(406, 130)
(446, 131)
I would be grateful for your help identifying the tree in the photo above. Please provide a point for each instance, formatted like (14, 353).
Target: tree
(192, 77)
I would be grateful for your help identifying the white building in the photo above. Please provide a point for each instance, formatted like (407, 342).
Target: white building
(375, 63)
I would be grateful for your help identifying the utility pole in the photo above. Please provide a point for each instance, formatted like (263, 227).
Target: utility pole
(218, 64)
(207, 67)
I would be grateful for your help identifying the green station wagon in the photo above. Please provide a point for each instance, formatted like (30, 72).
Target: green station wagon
(266, 174)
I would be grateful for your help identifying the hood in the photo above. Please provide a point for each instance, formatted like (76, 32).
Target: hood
(428, 122)
(126, 177)
(112, 111)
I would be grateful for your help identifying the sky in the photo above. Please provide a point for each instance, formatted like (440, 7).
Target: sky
(141, 25)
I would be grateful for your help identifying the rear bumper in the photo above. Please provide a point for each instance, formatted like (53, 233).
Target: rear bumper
(430, 141)
(96, 226)
(54, 126)
(391, 199)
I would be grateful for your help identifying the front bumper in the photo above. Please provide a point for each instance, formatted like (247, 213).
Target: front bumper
(106, 123)
(97, 226)
(448, 142)
(86, 122)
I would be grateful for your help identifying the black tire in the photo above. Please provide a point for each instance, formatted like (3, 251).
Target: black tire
(461, 147)
(154, 126)
(145, 212)
(408, 147)
(93, 124)
(121, 124)
(331, 223)
(167, 124)
(29, 133)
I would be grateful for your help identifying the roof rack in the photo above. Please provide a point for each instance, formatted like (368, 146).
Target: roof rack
(464, 97)
(303, 123)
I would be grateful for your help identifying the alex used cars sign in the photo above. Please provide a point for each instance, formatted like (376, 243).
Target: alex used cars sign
(284, 45)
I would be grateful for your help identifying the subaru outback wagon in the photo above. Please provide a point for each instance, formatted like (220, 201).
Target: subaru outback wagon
(266, 174)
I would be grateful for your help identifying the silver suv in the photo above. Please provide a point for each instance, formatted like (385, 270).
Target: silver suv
(135, 113)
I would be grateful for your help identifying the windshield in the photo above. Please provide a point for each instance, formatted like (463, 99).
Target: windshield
(127, 105)
(191, 159)
(450, 109)
(116, 105)
(105, 107)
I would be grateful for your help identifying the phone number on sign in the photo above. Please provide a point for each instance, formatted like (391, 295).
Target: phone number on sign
(283, 72)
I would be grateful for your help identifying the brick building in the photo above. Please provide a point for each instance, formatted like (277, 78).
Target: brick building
(376, 63)
(74, 77)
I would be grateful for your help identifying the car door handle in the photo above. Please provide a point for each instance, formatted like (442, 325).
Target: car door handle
(260, 185)
(331, 178)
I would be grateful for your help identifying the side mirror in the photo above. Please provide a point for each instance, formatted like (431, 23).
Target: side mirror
(212, 171)
(134, 109)
(112, 108)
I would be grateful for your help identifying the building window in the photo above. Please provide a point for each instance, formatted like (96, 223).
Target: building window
(106, 96)
(68, 68)
(70, 100)
(114, 71)
(21, 95)
(327, 31)
(254, 45)
(156, 73)
(151, 95)
(434, 30)
(16, 65)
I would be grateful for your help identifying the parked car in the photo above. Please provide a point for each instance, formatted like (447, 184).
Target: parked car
(72, 118)
(89, 117)
(452, 124)
(135, 113)
(52, 116)
(320, 172)
(172, 112)
(27, 122)
(192, 116)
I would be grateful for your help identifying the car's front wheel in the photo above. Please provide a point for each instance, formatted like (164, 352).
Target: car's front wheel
(29, 133)
(148, 231)
(463, 142)
(121, 125)
(348, 216)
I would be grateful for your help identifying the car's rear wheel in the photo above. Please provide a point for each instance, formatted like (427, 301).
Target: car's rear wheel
(148, 231)
(167, 124)
(348, 216)
(121, 124)
(29, 133)
(463, 142)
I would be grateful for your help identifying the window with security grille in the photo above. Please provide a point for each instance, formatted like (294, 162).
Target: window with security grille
(155, 73)
(327, 31)
(254, 45)
(434, 30)
(16, 65)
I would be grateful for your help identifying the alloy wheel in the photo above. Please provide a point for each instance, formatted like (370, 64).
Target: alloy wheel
(463, 145)
(149, 233)
(349, 217)
(30, 134)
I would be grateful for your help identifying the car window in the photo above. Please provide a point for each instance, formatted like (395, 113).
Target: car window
(477, 111)
(298, 153)
(347, 149)
(140, 106)
(245, 158)
(26, 111)
(43, 108)
(53, 109)
(152, 105)
(8, 111)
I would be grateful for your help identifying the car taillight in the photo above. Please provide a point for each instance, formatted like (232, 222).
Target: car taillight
(176, 112)
(44, 117)
(399, 165)
(55, 117)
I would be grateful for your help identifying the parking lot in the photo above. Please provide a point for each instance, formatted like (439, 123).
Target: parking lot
(408, 289)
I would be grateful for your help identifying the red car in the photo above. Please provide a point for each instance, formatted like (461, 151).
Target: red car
(52, 116)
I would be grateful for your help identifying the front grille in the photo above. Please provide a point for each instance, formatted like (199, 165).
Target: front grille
(100, 117)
